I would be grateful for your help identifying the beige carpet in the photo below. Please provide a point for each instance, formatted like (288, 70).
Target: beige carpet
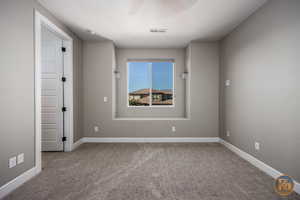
(148, 172)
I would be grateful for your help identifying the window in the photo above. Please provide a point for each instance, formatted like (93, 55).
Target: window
(150, 83)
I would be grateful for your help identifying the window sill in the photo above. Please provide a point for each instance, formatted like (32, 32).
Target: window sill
(151, 118)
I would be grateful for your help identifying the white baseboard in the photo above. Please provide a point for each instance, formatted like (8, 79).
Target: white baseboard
(257, 163)
(149, 140)
(77, 144)
(18, 181)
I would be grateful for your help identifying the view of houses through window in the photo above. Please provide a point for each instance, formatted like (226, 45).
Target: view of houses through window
(150, 83)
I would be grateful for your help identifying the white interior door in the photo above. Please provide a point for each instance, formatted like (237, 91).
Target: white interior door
(52, 91)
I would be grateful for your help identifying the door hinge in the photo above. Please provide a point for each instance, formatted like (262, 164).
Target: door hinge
(63, 79)
(64, 109)
(64, 139)
(63, 49)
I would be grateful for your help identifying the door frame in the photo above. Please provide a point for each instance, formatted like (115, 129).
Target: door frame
(40, 21)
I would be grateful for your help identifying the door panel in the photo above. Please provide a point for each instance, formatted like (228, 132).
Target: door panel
(52, 92)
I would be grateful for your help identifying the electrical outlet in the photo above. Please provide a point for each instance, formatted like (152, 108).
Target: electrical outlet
(257, 146)
(20, 158)
(173, 129)
(12, 162)
(96, 129)
(228, 133)
(105, 99)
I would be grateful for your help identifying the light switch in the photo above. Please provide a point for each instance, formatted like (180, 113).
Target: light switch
(227, 83)
(12, 162)
(105, 99)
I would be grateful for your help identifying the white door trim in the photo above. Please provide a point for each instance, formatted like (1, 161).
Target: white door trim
(68, 66)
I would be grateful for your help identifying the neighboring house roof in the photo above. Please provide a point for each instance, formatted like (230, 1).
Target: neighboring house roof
(167, 91)
(142, 91)
(147, 91)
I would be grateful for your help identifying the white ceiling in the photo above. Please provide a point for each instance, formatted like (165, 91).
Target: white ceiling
(128, 22)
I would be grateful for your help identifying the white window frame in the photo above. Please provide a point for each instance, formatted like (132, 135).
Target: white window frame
(150, 94)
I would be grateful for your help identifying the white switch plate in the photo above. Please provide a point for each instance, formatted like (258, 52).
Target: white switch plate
(173, 129)
(12, 162)
(257, 146)
(227, 133)
(227, 83)
(96, 129)
(105, 99)
(20, 158)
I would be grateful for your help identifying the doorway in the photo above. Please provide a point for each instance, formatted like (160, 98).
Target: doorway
(53, 88)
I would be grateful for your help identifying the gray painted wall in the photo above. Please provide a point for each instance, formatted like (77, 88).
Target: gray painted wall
(98, 62)
(17, 84)
(261, 57)
(123, 55)
(77, 89)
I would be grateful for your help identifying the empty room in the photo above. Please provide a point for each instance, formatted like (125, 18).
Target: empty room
(150, 100)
